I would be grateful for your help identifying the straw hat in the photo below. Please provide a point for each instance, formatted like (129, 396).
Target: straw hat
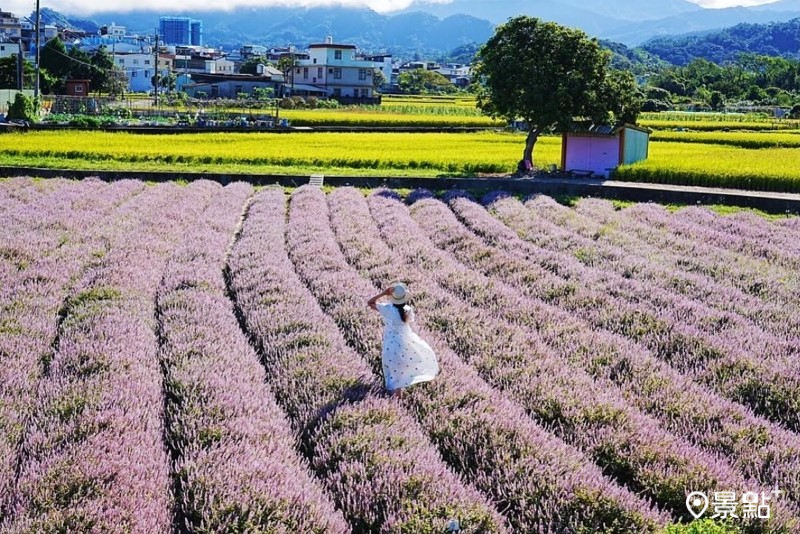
(399, 294)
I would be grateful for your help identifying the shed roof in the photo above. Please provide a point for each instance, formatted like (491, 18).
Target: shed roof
(604, 129)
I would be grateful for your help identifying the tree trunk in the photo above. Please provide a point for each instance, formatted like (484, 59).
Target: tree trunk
(530, 141)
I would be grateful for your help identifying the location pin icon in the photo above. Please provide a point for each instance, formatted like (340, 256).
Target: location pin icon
(697, 503)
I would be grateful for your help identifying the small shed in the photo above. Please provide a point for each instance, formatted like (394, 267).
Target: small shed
(77, 87)
(599, 149)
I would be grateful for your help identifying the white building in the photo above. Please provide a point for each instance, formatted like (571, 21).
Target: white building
(383, 63)
(113, 30)
(9, 49)
(138, 68)
(224, 66)
(457, 74)
(334, 69)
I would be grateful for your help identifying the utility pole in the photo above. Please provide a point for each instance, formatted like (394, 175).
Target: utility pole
(38, 43)
(20, 69)
(155, 51)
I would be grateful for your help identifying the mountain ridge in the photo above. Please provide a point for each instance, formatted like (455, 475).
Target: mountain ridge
(443, 27)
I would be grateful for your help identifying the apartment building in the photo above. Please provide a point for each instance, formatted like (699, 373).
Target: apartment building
(334, 69)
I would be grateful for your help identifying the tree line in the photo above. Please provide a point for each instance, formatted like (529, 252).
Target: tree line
(57, 65)
(751, 79)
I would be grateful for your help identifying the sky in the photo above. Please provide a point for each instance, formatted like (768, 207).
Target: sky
(89, 7)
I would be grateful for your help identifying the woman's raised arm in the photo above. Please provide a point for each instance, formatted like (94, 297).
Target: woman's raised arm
(372, 302)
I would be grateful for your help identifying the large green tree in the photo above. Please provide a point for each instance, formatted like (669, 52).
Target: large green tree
(55, 59)
(9, 67)
(250, 65)
(544, 74)
(102, 66)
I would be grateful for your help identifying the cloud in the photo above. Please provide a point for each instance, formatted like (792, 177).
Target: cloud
(718, 4)
(95, 7)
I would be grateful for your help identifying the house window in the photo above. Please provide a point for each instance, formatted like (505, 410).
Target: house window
(355, 92)
(337, 54)
(305, 72)
(337, 74)
(121, 61)
(315, 61)
(133, 74)
(297, 71)
(147, 74)
(146, 61)
(3, 48)
(362, 74)
(78, 88)
(319, 72)
(135, 61)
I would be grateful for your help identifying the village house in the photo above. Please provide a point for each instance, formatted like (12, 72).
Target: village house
(139, 69)
(232, 85)
(334, 70)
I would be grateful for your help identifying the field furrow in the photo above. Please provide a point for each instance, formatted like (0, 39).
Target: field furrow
(46, 244)
(649, 384)
(233, 451)
(648, 222)
(714, 347)
(488, 423)
(376, 462)
(93, 454)
(634, 258)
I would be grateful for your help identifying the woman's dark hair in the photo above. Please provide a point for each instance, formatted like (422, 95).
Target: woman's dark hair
(402, 309)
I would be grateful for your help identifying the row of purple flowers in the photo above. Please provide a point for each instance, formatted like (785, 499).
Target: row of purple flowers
(50, 234)
(371, 456)
(540, 483)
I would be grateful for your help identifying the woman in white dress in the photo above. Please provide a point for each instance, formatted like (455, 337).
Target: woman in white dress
(407, 359)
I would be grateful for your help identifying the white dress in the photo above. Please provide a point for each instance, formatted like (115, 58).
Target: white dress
(407, 358)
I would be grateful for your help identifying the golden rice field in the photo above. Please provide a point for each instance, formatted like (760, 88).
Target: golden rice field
(740, 139)
(722, 159)
(390, 154)
(436, 115)
(714, 165)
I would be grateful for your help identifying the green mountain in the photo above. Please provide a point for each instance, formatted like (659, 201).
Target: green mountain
(775, 39)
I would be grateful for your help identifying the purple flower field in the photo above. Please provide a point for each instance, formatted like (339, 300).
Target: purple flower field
(199, 358)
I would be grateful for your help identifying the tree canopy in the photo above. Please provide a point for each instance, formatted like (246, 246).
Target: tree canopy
(9, 73)
(547, 75)
(60, 65)
(423, 81)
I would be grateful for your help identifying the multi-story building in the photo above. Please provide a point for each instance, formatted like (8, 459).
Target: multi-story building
(196, 33)
(139, 70)
(383, 62)
(113, 30)
(181, 31)
(10, 26)
(334, 69)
